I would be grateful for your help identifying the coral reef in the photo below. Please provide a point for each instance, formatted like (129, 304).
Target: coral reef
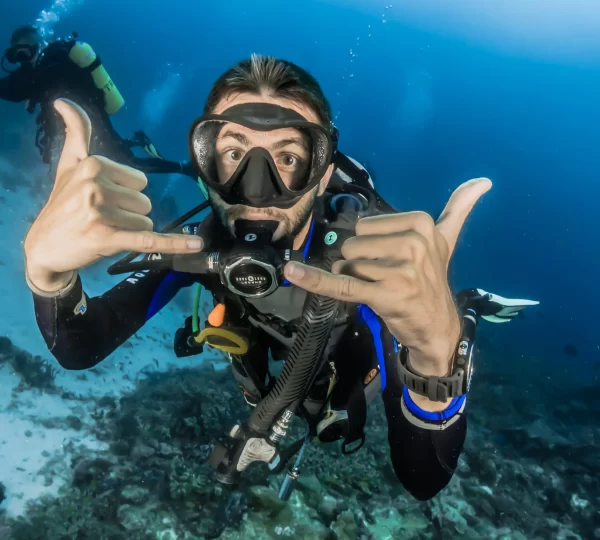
(526, 473)
(34, 371)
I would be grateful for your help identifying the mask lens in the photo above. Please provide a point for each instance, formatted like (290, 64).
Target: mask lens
(20, 53)
(300, 154)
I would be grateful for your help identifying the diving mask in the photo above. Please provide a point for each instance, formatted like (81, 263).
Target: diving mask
(260, 154)
(20, 53)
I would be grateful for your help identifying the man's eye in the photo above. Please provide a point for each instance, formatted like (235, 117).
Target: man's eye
(289, 161)
(234, 155)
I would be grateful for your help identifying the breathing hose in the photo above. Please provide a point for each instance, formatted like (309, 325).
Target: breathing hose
(302, 363)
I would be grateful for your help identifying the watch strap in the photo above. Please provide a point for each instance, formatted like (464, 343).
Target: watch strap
(434, 388)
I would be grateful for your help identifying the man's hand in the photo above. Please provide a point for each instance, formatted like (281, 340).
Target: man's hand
(96, 209)
(397, 264)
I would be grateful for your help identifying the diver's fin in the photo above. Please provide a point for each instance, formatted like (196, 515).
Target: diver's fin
(499, 309)
(151, 150)
(143, 141)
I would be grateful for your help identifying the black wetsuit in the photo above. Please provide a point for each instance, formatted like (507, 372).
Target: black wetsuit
(55, 75)
(425, 447)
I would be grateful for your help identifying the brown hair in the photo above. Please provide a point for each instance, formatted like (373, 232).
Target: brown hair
(278, 77)
(24, 32)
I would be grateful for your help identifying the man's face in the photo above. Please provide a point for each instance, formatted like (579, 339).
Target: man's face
(30, 40)
(290, 150)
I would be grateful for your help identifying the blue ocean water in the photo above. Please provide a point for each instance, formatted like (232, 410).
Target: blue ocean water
(427, 94)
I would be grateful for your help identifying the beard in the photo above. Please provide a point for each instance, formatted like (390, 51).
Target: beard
(291, 220)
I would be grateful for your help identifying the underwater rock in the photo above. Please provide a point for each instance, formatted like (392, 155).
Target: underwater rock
(451, 513)
(312, 489)
(142, 451)
(74, 422)
(484, 466)
(89, 471)
(387, 524)
(345, 527)
(107, 401)
(541, 430)
(135, 494)
(120, 448)
(329, 506)
(132, 518)
(167, 450)
(236, 507)
(147, 522)
(266, 499)
(5, 532)
(6, 346)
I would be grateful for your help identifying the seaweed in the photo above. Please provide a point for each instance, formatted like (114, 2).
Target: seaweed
(34, 371)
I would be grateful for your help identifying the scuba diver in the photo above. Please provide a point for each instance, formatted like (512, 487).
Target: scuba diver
(70, 68)
(305, 263)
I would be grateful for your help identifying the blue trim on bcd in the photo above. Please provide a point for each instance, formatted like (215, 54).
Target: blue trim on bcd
(286, 283)
(438, 416)
(172, 283)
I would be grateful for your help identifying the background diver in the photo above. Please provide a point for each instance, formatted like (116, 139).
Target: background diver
(266, 149)
(70, 68)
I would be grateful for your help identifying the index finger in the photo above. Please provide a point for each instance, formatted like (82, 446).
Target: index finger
(151, 242)
(341, 287)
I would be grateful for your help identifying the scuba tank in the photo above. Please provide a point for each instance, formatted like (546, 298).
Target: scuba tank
(84, 56)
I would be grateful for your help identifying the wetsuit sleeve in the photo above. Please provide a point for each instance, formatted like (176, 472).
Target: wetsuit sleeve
(81, 331)
(424, 446)
(16, 87)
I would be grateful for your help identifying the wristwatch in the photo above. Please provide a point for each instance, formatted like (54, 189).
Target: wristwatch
(439, 388)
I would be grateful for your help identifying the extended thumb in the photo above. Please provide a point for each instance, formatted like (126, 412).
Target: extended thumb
(78, 135)
(459, 206)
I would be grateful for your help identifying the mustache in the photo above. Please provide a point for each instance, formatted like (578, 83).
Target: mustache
(238, 211)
